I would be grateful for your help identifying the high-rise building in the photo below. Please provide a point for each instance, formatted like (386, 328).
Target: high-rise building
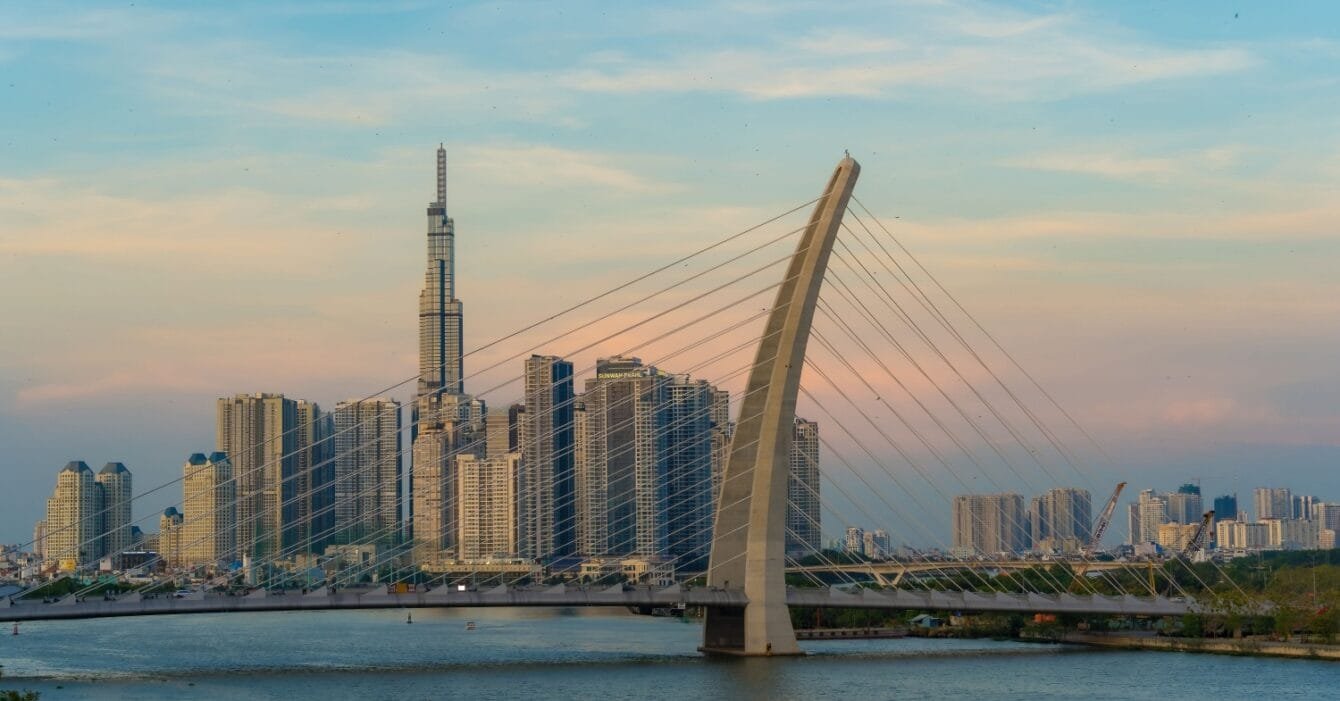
(1302, 506)
(1153, 513)
(1174, 537)
(1185, 506)
(311, 491)
(547, 443)
(1291, 534)
(73, 524)
(1327, 515)
(723, 429)
(687, 481)
(117, 494)
(368, 479)
(441, 341)
(453, 431)
(1133, 534)
(626, 408)
(989, 524)
(875, 544)
(1273, 503)
(488, 488)
(1242, 536)
(209, 519)
(803, 510)
(1061, 520)
(170, 538)
(853, 541)
(445, 421)
(1226, 508)
(274, 446)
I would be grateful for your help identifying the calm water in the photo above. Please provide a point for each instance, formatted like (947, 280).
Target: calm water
(536, 653)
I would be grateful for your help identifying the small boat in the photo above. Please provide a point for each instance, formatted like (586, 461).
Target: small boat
(469, 625)
(409, 618)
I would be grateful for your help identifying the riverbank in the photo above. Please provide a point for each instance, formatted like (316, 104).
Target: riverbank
(1218, 646)
(849, 633)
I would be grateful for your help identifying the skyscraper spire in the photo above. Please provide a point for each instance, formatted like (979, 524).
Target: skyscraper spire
(441, 176)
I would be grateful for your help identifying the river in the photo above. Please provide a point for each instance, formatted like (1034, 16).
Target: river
(556, 654)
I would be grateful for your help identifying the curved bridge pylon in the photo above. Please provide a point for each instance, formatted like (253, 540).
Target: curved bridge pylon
(748, 545)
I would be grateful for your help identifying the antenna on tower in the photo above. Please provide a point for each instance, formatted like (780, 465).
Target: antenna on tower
(441, 176)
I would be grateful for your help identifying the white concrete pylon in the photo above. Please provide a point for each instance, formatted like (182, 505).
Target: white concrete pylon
(748, 545)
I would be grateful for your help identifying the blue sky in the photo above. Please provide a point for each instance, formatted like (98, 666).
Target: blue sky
(1138, 198)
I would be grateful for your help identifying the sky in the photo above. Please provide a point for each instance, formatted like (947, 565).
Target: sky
(1138, 199)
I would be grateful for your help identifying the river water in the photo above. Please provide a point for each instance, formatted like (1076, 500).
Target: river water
(557, 654)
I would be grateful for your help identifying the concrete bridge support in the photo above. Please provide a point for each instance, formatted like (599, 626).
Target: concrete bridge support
(749, 535)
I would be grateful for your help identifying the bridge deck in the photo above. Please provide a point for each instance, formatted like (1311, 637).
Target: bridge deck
(569, 596)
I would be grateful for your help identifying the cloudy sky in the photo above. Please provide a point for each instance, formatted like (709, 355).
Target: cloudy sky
(1138, 199)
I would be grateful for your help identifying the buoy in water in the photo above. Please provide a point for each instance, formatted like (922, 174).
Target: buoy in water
(409, 618)
(16, 627)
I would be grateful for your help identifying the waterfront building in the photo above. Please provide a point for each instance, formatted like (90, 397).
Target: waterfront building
(1272, 503)
(546, 436)
(990, 524)
(117, 493)
(686, 487)
(311, 490)
(1061, 520)
(434, 501)
(445, 422)
(488, 521)
(209, 523)
(273, 445)
(803, 510)
(72, 529)
(626, 411)
(169, 546)
(368, 473)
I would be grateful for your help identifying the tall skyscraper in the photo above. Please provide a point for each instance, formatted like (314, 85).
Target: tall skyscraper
(117, 493)
(209, 519)
(688, 471)
(445, 421)
(626, 407)
(547, 444)
(803, 536)
(73, 535)
(989, 524)
(440, 334)
(273, 445)
(368, 477)
(1061, 520)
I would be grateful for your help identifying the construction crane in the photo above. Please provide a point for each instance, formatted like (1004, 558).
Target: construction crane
(1198, 540)
(1105, 519)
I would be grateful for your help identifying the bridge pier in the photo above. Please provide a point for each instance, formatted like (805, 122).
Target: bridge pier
(749, 535)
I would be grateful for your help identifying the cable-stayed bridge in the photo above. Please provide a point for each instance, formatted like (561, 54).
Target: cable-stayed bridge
(911, 390)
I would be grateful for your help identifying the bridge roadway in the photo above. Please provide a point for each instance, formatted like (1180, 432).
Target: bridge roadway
(891, 573)
(573, 596)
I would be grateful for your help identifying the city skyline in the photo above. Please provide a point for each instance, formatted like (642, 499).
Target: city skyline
(1170, 401)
